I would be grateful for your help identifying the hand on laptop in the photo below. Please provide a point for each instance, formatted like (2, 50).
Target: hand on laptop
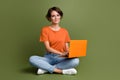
(65, 54)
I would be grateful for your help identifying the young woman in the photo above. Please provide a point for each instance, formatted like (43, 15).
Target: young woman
(55, 39)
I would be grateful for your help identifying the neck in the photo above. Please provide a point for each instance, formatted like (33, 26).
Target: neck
(55, 25)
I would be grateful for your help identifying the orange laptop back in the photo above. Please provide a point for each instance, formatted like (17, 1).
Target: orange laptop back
(77, 48)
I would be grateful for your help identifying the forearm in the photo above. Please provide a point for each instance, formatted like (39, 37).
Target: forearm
(67, 47)
(49, 49)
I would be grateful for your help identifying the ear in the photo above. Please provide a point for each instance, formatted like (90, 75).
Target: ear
(49, 19)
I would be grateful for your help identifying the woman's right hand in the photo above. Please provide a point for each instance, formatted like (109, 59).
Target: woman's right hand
(65, 54)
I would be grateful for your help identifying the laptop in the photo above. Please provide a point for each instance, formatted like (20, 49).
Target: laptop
(77, 48)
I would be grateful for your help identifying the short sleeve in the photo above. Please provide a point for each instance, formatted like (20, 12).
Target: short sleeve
(67, 39)
(43, 35)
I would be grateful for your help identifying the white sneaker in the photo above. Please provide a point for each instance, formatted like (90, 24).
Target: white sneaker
(41, 71)
(69, 71)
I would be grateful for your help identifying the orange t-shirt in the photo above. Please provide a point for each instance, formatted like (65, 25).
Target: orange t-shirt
(57, 39)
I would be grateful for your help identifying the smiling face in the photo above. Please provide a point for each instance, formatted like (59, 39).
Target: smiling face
(55, 17)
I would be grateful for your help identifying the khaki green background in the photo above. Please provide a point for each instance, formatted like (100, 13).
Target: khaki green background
(98, 21)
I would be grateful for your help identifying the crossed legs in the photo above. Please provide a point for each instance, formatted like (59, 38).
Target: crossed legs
(46, 64)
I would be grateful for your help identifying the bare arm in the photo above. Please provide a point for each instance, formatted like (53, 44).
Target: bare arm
(46, 43)
(67, 47)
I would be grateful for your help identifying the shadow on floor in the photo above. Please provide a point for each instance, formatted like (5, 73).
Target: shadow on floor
(29, 70)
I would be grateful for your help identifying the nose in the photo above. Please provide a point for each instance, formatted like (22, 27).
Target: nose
(56, 17)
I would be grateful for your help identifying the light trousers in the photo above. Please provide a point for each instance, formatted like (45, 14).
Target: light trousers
(50, 61)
